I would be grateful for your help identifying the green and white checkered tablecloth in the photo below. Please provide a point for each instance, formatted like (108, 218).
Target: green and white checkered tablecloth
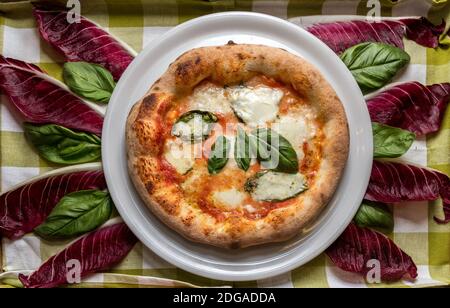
(138, 23)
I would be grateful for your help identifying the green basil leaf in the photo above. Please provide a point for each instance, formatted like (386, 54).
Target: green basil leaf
(390, 141)
(77, 213)
(88, 80)
(374, 64)
(242, 149)
(274, 151)
(374, 215)
(61, 145)
(218, 157)
(194, 125)
(282, 185)
(207, 116)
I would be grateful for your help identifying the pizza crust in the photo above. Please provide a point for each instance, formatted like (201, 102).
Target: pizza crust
(231, 64)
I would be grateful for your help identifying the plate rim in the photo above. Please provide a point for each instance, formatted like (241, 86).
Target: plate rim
(202, 270)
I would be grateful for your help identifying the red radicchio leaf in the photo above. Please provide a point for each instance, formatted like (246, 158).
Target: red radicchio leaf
(395, 182)
(357, 245)
(26, 207)
(342, 35)
(42, 102)
(97, 251)
(411, 106)
(423, 32)
(83, 41)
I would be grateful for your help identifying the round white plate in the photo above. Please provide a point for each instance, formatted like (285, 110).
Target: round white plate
(254, 262)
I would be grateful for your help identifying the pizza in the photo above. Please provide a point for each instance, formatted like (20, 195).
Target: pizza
(237, 145)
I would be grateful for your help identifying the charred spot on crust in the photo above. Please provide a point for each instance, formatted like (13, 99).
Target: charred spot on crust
(188, 71)
(169, 207)
(183, 68)
(186, 68)
(230, 42)
(188, 220)
(149, 186)
(148, 103)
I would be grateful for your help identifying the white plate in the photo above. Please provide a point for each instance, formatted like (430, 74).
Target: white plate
(254, 262)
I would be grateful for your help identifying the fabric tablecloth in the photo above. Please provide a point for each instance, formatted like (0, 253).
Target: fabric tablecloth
(138, 23)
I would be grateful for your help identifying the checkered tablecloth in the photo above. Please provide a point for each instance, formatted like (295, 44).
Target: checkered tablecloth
(138, 23)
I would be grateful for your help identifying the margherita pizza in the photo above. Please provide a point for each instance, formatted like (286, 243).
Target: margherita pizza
(237, 145)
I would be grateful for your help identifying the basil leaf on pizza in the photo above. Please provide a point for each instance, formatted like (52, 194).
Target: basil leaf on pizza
(374, 64)
(218, 157)
(274, 186)
(194, 125)
(242, 151)
(274, 151)
(390, 141)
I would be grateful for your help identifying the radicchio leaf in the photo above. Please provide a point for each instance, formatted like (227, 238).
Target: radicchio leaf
(342, 35)
(357, 245)
(83, 41)
(423, 32)
(43, 102)
(411, 106)
(97, 251)
(26, 207)
(395, 182)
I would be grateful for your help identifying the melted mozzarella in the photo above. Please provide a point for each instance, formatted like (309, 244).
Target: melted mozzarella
(296, 130)
(249, 208)
(255, 106)
(180, 155)
(210, 99)
(231, 198)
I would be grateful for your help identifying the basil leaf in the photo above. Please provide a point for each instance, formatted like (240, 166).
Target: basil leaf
(282, 186)
(207, 116)
(274, 151)
(242, 149)
(77, 213)
(89, 80)
(218, 157)
(374, 64)
(61, 145)
(374, 215)
(194, 125)
(390, 141)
